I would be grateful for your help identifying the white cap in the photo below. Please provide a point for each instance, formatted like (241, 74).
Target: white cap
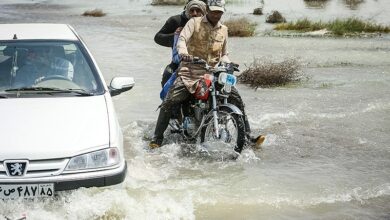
(216, 5)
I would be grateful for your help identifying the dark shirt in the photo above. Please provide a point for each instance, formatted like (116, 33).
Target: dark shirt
(165, 36)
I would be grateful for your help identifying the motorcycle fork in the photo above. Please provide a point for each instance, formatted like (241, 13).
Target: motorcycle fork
(214, 109)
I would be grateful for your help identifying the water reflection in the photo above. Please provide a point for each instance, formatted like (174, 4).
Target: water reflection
(316, 3)
(353, 4)
(37, 5)
(320, 4)
(310, 4)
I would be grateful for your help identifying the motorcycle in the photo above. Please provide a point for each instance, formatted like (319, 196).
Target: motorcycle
(208, 116)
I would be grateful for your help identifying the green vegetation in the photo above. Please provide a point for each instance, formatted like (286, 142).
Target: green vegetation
(94, 13)
(337, 27)
(301, 25)
(265, 73)
(240, 27)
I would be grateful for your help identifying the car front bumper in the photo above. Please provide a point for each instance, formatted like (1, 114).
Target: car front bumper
(76, 180)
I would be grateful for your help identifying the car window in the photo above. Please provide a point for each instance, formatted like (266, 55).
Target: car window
(58, 65)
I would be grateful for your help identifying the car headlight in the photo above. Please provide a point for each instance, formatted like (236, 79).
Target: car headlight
(97, 159)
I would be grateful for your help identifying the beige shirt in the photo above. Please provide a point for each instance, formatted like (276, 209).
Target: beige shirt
(200, 39)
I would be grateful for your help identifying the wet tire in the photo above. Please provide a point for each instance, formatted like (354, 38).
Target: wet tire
(226, 117)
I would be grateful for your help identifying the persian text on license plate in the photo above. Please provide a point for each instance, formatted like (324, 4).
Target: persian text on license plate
(26, 190)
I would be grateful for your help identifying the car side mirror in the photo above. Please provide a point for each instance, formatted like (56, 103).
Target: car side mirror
(121, 84)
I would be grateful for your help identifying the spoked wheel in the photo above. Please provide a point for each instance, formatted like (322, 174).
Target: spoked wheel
(231, 129)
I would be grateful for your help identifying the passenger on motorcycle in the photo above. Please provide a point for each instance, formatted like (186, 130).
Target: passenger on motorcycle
(204, 37)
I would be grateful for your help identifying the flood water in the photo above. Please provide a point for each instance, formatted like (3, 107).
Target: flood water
(327, 152)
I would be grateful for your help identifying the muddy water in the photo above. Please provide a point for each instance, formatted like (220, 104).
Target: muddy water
(327, 151)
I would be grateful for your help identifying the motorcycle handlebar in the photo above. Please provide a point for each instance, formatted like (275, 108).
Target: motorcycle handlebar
(197, 60)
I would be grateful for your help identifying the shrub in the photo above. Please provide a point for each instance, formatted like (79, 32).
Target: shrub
(337, 26)
(258, 11)
(301, 25)
(94, 13)
(353, 4)
(275, 17)
(265, 73)
(240, 27)
(316, 3)
(355, 25)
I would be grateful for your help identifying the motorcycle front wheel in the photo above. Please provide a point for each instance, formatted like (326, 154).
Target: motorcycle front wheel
(231, 129)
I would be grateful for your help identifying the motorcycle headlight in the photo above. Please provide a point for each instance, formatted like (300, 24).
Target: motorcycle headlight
(227, 79)
(97, 159)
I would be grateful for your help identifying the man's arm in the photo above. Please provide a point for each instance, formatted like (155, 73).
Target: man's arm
(164, 36)
(185, 36)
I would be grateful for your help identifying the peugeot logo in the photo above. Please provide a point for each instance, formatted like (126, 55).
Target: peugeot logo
(16, 167)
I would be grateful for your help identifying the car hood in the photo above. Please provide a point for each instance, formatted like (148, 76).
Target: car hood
(43, 128)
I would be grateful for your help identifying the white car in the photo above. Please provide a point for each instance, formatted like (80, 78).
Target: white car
(58, 127)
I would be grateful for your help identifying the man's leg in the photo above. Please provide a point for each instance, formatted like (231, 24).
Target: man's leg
(166, 75)
(236, 100)
(177, 94)
(169, 69)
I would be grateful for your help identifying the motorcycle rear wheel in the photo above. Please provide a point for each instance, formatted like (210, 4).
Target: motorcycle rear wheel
(231, 129)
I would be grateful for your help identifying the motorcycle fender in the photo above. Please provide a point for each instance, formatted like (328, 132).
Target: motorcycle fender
(232, 107)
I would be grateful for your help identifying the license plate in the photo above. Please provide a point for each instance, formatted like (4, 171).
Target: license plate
(26, 191)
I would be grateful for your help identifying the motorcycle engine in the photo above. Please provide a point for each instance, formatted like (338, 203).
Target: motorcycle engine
(199, 109)
(189, 125)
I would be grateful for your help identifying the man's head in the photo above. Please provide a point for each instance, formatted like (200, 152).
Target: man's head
(44, 54)
(195, 8)
(38, 55)
(215, 10)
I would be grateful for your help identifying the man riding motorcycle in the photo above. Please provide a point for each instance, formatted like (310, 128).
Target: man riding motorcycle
(204, 37)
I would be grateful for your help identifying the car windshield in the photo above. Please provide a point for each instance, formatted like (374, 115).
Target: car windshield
(39, 67)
